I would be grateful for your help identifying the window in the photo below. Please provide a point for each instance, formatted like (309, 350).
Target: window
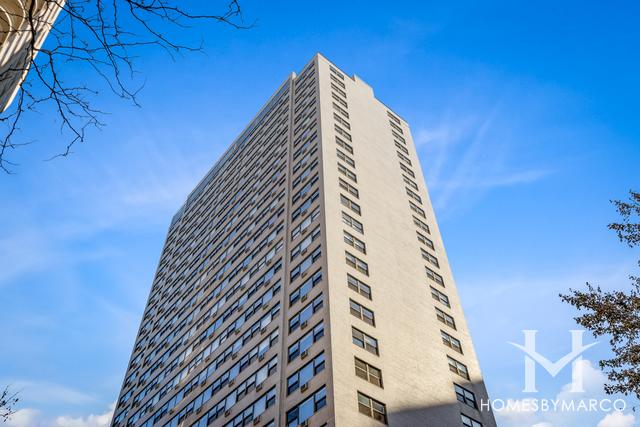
(358, 286)
(348, 160)
(403, 158)
(342, 132)
(469, 422)
(342, 121)
(338, 82)
(425, 241)
(306, 287)
(305, 314)
(458, 368)
(445, 318)
(465, 396)
(304, 374)
(305, 410)
(451, 342)
(402, 148)
(354, 242)
(346, 172)
(338, 90)
(365, 341)
(417, 210)
(341, 110)
(368, 372)
(302, 227)
(396, 127)
(413, 195)
(392, 117)
(306, 263)
(302, 209)
(357, 263)
(407, 170)
(304, 343)
(336, 72)
(427, 256)
(353, 223)
(350, 204)
(361, 312)
(421, 225)
(348, 188)
(340, 100)
(439, 296)
(398, 137)
(301, 247)
(348, 148)
(304, 190)
(372, 408)
(434, 276)
(409, 182)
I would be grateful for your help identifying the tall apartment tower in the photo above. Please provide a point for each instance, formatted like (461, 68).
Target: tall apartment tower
(24, 25)
(304, 282)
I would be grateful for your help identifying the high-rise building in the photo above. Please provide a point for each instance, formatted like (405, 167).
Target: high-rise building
(305, 283)
(24, 25)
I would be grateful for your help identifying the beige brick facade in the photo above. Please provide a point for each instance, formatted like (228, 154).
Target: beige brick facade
(306, 247)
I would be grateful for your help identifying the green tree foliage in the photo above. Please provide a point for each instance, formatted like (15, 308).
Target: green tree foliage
(616, 314)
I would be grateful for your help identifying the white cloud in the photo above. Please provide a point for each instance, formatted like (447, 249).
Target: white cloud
(617, 419)
(25, 418)
(100, 420)
(34, 418)
(520, 412)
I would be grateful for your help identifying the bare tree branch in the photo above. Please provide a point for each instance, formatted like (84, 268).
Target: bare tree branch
(8, 401)
(101, 36)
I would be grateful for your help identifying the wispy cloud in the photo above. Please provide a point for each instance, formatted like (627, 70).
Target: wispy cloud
(466, 157)
(29, 417)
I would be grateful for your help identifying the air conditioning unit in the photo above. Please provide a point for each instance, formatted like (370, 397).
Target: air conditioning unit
(304, 423)
(256, 420)
(303, 325)
(304, 387)
(199, 410)
(304, 354)
(304, 251)
(304, 297)
(237, 331)
(261, 357)
(263, 330)
(231, 382)
(304, 274)
(265, 307)
(227, 413)
(234, 355)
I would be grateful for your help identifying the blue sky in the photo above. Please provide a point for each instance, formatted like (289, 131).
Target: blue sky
(525, 117)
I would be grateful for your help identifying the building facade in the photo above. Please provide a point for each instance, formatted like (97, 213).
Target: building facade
(24, 25)
(304, 281)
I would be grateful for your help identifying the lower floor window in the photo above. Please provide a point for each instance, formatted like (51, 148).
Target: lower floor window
(305, 410)
(372, 408)
(469, 422)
